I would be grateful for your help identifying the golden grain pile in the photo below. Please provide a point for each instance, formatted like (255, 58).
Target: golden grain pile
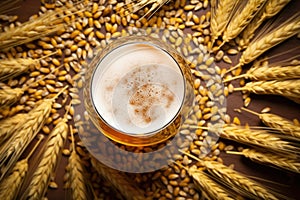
(42, 67)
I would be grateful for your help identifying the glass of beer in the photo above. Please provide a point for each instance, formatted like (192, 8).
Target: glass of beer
(138, 91)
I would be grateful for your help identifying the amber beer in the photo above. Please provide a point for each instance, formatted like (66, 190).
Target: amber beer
(137, 92)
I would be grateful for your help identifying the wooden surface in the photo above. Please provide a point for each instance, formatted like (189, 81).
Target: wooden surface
(286, 183)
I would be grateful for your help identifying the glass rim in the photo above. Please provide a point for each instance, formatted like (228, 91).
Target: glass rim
(144, 134)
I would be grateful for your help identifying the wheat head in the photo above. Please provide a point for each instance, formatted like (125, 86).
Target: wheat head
(271, 39)
(11, 185)
(9, 125)
(31, 30)
(220, 16)
(46, 167)
(286, 88)
(273, 73)
(282, 161)
(237, 181)
(10, 68)
(281, 124)
(14, 147)
(261, 138)
(119, 180)
(241, 20)
(76, 177)
(270, 9)
(76, 174)
(9, 96)
(205, 184)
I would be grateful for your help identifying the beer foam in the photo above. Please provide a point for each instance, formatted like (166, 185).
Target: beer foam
(138, 88)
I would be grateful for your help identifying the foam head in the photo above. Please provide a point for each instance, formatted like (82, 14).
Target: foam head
(138, 88)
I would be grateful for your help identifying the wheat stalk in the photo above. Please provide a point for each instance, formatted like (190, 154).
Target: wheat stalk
(286, 88)
(237, 181)
(76, 179)
(209, 187)
(119, 180)
(270, 9)
(8, 126)
(46, 168)
(13, 148)
(9, 96)
(267, 73)
(33, 122)
(269, 40)
(261, 138)
(10, 186)
(242, 19)
(220, 16)
(234, 180)
(31, 30)
(277, 122)
(282, 161)
(10, 68)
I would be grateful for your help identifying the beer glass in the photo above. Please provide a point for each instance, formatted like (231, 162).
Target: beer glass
(138, 91)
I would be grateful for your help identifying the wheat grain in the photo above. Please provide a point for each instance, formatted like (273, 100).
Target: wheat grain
(46, 168)
(205, 184)
(237, 181)
(282, 161)
(10, 68)
(31, 30)
(11, 185)
(270, 9)
(286, 88)
(119, 180)
(9, 96)
(155, 5)
(76, 179)
(261, 138)
(242, 19)
(33, 122)
(269, 40)
(220, 15)
(8, 126)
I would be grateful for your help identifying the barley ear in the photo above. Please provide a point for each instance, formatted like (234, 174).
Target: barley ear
(270, 9)
(271, 39)
(11, 185)
(119, 180)
(14, 147)
(238, 181)
(242, 19)
(281, 161)
(259, 138)
(286, 88)
(31, 30)
(279, 123)
(76, 174)
(48, 163)
(234, 180)
(211, 189)
(9, 125)
(9, 96)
